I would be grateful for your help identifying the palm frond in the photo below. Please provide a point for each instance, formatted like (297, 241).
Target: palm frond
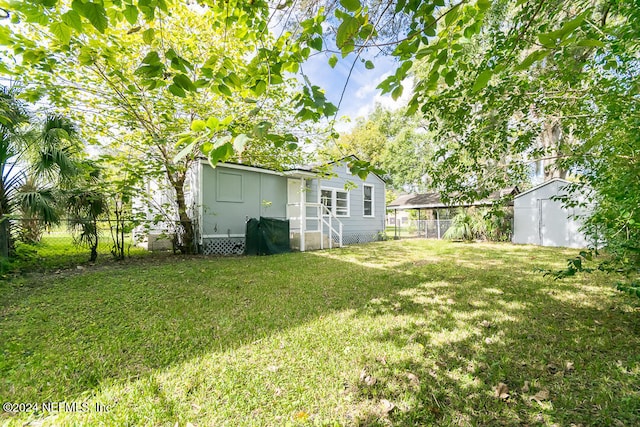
(39, 203)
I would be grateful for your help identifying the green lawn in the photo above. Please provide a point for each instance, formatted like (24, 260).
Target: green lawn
(393, 333)
(57, 250)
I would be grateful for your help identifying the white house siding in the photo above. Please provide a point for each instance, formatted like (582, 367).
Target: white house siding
(539, 220)
(356, 227)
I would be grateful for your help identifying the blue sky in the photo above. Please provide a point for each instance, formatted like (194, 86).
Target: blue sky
(361, 94)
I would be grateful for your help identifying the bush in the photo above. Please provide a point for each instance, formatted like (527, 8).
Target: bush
(481, 224)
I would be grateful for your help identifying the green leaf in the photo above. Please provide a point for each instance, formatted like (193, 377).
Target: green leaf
(72, 19)
(369, 65)
(224, 89)
(86, 56)
(152, 58)
(148, 35)
(61, 31)
(220, 154)
(547, 39)
(532, 58)
(346, 31)
(212, 123)
(316, 43)
(198, 125)
(183, 153)
(239, 142)
(591, 43)
(177, 90)
(450, 78)
(397, 92)
(94, 12)
(260, 87)
(452, 15)
(483, 4)
(350, 5)
(163, 6)
(482, 80)
(131, 14)
(570, 26)
(184, 82)
(233, 80)
(333, 61)
(261, 129)
(366, 31)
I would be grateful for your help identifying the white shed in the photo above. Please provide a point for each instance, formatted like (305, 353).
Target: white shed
(540, 220)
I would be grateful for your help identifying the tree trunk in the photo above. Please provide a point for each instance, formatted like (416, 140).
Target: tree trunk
(94, 243)
(550, 140)
(186, 239)
(6, 241)
(5, 238)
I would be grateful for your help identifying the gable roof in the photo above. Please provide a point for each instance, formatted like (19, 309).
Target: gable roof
(432, 200)
(544, 184)
(285, 172)
(307, 171)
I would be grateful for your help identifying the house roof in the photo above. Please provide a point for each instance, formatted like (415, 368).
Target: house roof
(544, 184)
(296, 172)
(303, 171)
(432, 200)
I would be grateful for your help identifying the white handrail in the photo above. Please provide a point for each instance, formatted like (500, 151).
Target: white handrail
(324, 217)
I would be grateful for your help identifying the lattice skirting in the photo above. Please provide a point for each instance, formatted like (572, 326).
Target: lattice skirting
(354, 238)
(224, 246)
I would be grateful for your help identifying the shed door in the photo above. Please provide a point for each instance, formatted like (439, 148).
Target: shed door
(293, 203)
(552, 223)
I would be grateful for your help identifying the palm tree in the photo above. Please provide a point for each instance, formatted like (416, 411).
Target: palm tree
(86, 203)
(34, 160)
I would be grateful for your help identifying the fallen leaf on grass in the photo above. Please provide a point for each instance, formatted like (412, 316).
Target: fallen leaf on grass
(525, 387)
(502, 391)
(569, 367)
(386, 406)
(367, 379)
(413, 380)
(540, 396)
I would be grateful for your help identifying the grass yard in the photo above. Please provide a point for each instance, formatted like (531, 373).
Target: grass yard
(57, 250)
(393, 333)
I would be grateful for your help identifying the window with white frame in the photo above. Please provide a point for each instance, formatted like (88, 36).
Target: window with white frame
(367, 200)
(336, 201)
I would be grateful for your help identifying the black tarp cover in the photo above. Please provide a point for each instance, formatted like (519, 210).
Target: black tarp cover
(267, 236)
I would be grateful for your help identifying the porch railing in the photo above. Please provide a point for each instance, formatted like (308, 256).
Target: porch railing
(326, 221)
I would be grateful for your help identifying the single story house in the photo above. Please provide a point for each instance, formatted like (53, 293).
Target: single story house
(540, 219)
(323, 210)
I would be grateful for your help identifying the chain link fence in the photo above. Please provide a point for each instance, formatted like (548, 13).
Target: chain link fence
(28, 244)
(425, 228)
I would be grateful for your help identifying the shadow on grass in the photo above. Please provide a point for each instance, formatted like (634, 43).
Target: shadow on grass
(563, 360)
(461, 318)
